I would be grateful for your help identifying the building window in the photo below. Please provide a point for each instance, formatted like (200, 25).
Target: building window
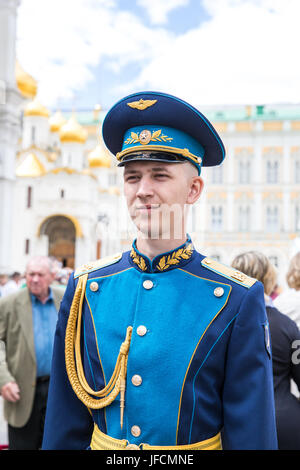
(217, 174)
(272, 219)
(274, 260)
(244, 172)
(33, 134)
(272, 171)
(112, 179)
(27, 246)
(297, 171)
(29, 197)
(192, 219)
(297, 218)
(244, 219)
(217, 218)
(62, 193)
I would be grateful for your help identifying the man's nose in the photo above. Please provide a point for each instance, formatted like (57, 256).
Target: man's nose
(145, 188)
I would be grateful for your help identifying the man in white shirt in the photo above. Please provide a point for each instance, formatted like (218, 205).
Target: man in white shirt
(7, 286)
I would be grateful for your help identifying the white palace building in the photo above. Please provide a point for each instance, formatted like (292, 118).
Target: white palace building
(61, 191)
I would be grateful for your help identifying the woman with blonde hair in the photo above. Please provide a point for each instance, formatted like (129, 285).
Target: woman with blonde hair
(288, 301)
(285, 339)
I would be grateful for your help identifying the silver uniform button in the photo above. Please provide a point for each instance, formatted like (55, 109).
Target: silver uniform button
(141, 330)
(94, 286)
(219, 291)
(136, 380)
(147, 284)
(136, 431)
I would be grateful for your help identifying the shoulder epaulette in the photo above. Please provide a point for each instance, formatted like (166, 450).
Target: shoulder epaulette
(229, 272)
(100, 263)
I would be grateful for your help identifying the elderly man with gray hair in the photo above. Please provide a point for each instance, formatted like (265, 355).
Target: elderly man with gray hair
(27, 324)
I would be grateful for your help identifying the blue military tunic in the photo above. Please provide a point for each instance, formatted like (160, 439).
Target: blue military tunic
(199, 361)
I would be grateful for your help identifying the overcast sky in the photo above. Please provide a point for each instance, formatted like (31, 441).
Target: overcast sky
(209, 52)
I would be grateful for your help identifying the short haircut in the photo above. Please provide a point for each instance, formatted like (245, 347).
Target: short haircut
(257, 265)
(42, 260)
(293, 274)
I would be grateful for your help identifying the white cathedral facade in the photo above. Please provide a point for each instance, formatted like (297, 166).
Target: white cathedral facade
(69, 190)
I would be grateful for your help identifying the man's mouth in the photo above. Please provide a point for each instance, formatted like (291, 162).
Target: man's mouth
(147, 207)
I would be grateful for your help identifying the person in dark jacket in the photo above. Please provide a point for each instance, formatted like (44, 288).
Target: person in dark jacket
(285, 347)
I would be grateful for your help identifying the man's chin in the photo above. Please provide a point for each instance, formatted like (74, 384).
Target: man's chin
(149, 233)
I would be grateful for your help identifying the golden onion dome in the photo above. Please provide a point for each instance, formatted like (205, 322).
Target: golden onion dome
(31, 167)
(72, 131)
(35, 108)
(25, 82)
(56, 121)
(99, 157)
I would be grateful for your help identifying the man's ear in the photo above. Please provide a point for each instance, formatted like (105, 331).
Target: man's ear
(196, 188)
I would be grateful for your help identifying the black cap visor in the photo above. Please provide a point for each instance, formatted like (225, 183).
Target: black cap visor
(165, 157)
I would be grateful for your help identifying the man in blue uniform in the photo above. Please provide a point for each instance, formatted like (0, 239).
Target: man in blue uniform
(161, 347)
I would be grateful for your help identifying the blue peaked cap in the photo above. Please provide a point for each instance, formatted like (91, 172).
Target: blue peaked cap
(154, 126)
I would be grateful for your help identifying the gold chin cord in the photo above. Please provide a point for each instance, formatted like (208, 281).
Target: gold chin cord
(74, 365)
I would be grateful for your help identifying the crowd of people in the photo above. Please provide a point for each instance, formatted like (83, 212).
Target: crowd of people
(37, 295)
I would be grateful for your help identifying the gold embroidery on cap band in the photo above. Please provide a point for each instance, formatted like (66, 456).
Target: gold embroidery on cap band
(145, 137)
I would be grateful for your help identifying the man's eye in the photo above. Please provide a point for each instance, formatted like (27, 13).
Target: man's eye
(131, 178)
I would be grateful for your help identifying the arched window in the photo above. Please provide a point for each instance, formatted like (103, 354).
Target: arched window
(29, 197)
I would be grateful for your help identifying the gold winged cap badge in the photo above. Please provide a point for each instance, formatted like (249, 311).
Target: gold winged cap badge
(142, 104)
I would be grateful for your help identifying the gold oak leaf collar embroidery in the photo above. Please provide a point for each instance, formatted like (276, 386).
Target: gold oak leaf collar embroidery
(162, 262)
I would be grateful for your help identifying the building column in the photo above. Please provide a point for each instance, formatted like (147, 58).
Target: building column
(258, 207)
(9, 127)
(258, 163)
(286, 182)
(286, 158)
(8, 14)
